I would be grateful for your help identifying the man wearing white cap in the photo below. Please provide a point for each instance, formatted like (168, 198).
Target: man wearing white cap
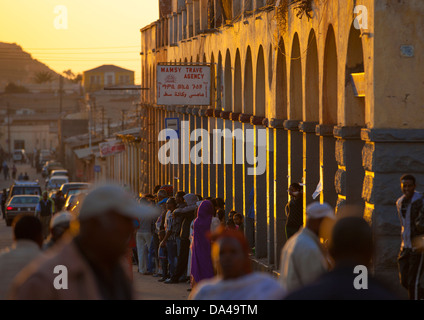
(59, 224)
(94, 259)
(303, 259)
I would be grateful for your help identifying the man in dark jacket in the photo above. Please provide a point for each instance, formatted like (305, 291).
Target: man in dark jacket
(411, 258)
(187, 214)
(294, 210)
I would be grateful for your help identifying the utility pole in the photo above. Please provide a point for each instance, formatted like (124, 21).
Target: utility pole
(123, 119)
(103, 122)
(108, 127)
(8, 129)
(60, 95)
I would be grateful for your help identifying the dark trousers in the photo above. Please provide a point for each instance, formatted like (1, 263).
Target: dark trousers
(182, 259)
(411, 266)
(152, 260)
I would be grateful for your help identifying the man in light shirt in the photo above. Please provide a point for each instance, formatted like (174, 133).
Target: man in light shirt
(28, 238)
(303, 259)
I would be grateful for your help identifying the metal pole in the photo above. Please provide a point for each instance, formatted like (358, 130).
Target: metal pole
(8, 129)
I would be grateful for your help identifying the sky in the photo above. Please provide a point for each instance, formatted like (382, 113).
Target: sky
(78, 34)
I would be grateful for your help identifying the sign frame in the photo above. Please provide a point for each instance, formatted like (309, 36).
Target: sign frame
(205, 87)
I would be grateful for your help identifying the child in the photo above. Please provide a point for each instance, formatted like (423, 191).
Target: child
(238, 221)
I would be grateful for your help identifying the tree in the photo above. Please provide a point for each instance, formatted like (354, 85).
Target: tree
(14, 88)
(43, 76)
(74, 78)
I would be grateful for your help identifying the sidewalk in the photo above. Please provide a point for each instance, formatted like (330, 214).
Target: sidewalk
(148, 288)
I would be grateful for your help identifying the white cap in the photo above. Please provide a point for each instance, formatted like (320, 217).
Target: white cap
(111, 197)
(316, 211)
(61, 217)
(191, 199)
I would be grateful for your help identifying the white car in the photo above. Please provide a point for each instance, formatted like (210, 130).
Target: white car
(56, 182)
(61, 172)
(19, 155)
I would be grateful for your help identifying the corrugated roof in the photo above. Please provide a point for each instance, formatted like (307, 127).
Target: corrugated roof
(108, 68)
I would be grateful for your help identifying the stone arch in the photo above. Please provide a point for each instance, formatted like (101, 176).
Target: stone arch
(354, 106)
(296, 101)
(228, 75)
(281, 82)
(260, 84)
(238, 87)
(248, 83)
(311, 111)
(329, 88)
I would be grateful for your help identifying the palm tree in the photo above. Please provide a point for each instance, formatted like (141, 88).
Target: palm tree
(43, 77)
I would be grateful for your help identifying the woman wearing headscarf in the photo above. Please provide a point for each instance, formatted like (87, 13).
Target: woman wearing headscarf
(236, 281)
(201, 259)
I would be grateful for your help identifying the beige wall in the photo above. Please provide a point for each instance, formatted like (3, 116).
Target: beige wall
(35, 136)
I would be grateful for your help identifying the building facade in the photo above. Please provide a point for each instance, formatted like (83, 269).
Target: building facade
(107, 75)
(334, 84)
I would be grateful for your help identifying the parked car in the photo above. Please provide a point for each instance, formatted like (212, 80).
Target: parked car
(56, 182)
(20, 204)
(75, 202)
(59, 172)
(74, 185)
(24, 188)
(56, 173)
(45, 155)
(50, 166)
(19, 156)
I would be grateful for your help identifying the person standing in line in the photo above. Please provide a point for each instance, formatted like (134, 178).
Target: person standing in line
(303, 258)
(201, 260)
(238, 221)
(179, 198)
(44, 212)
(144, 240)
(411, 259)
(153, 257)
(169, 240)
(186, 214)
(28, 238)
(294, 210)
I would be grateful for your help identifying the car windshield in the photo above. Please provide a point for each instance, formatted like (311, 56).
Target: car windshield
(75, 191)
(60, 173)
(57, 182)
(25, 200)
(26, 190)
(66, 187)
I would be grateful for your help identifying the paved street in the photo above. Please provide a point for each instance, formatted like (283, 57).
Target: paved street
(146, 287)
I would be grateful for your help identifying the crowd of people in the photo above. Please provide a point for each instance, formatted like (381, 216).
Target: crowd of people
(179, 237)
(174, 246)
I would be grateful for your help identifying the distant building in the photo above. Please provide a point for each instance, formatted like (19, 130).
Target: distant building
(107, 75)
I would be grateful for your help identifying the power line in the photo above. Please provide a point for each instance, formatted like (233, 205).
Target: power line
(86, 48)
(103, 52)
